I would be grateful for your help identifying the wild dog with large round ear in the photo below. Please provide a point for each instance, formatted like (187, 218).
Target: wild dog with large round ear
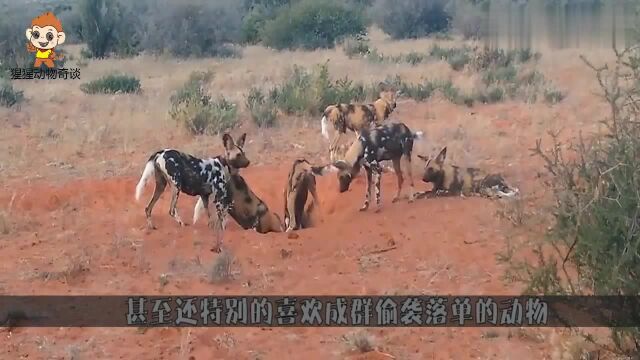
(193, 176)
(388, 142)
(454, 180)
(248, 210)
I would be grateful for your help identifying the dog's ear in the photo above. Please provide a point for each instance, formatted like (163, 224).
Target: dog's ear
(441, 156)
(341, 165)
(423, 158)
(227, 141)
(241, 140)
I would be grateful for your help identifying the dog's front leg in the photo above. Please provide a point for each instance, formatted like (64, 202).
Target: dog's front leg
(173, 208)
(221, 213)
(377, 175)
(367, 194)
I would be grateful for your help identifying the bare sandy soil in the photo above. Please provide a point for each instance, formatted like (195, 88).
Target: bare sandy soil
(70, 224)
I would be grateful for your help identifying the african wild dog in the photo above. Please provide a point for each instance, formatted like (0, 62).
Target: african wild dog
(356, 117)
(194, 177)
(298, 207)
(248, 210)
(454, 180)
(387, 142)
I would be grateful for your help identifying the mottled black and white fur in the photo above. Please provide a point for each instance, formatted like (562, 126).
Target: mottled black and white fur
(387, 142)
(192, 176)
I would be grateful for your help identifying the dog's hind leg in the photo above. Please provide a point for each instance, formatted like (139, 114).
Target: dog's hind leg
(173, 210)
(161, 184)
(398, 171)
(365, 206)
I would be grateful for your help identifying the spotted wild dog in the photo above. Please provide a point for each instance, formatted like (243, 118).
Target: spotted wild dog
(384, 106)
(338, 150)
(195, 177)
(454, 180)
(356, 117)
(248, 210)
(387, 142)
(298, 207)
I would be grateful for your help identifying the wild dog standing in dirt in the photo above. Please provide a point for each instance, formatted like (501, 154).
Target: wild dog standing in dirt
(387, 142)
(356, 117)
(248, 210)
(455, 180)
(301, 181)
(194, 177)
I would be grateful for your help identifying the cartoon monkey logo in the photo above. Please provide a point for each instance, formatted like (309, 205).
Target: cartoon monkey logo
(44, 35)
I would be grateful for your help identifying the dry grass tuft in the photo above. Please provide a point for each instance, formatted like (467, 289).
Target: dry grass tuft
(75, 267)
(361, 341)
(221, 269)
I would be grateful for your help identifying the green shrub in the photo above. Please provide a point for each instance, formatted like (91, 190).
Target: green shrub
(501, 75)
(109, 28)
(112, 84)
(263, 111)
(8, 95)
(591, 246)
(193, 108)
(252, 25)
(456, 57)
(403, 19)
(553, 96)
(12, 35)
(194, 28)
(310, 92)
(356, 46)
(310, 24)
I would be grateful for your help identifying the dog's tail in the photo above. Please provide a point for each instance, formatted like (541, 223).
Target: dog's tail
(418, 135)
(147, 173)
(198, 209)
(324, 126)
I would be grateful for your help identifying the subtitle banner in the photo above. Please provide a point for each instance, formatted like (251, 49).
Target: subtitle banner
(319, 311)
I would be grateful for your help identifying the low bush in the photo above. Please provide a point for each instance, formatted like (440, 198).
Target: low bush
(9, 96)
(456, 57)
(262, 109)
(197, 112)
(310, 92)
(112, 84)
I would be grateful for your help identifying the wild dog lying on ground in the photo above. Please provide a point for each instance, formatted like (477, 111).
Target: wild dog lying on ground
(194, 177)
(356, 117)
(387, 142)
(453, 180)
(301, 181)
(248, 210)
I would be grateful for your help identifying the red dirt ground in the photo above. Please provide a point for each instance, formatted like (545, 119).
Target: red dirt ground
(87, 236)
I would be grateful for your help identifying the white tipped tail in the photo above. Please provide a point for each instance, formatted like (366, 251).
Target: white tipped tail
(325, 128)
(418, 134)
(198, 209)
(149, 170)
